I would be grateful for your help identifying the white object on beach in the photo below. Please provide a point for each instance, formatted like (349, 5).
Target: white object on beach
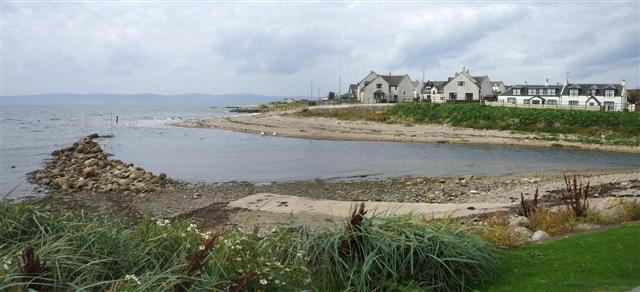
(274, 133)
(262, 133)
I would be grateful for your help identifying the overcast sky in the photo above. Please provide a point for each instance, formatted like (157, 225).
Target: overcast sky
(278, 48)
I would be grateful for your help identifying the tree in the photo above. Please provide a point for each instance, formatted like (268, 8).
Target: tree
(633, 96)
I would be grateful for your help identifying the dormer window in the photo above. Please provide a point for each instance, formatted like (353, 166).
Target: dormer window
(573, 92)
(532, 91)
(551, 91)
(609, 93)
(516, 91)
(593, 92)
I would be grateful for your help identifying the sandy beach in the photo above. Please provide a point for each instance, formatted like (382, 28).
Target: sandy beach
(279, 124)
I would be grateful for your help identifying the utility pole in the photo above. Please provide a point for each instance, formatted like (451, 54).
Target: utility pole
(311, 91)
(339, 88)
(422, 74)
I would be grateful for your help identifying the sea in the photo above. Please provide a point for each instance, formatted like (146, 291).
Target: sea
(146, 135)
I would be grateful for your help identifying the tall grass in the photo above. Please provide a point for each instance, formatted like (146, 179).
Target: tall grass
(616, 127)
(76, 252)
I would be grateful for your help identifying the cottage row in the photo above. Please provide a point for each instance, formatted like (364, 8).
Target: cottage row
(466, 88)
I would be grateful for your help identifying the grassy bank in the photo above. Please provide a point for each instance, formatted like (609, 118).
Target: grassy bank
(608, 128)
(604, 261)
(61, 252)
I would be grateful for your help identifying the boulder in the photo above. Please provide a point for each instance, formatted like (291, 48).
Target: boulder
(608, 203)
(516, 220)
(613, 213)
(540, 235)
(522, 232)
(87, 171)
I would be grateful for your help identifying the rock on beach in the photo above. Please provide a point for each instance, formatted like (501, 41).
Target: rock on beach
(86, 167)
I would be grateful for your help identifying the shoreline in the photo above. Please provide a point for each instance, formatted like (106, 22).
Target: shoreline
(318, 128)
(217, 204)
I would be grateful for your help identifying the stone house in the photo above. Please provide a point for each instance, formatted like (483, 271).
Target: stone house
(376, 88)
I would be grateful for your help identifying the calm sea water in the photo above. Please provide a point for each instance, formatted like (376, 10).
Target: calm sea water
(144, 136)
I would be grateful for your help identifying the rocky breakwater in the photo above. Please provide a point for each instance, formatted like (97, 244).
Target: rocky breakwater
(86, 167)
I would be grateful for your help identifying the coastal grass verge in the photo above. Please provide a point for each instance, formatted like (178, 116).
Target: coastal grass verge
(587, 127)
(602, 261)
(57, 251)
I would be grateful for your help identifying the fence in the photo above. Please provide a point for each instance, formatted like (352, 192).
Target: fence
(614, 107)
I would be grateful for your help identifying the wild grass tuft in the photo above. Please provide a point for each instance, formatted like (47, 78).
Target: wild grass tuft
(60, 252)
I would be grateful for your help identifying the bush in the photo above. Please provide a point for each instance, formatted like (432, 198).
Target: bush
(561, 221)
(498, 231)
(631, 211)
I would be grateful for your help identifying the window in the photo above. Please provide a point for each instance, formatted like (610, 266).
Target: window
(442, 97)
(460, 83)
(453, 95)
(532, 91)
(468, 96)
(535, 101)
(609, 93)
(593, 92)
(552, 102)
(511, 100)
(526, 101)
(379, 85)
(573, 102)
(609, 105)
(516, 91)
(573, 92)
(591, 103)
(551, 91)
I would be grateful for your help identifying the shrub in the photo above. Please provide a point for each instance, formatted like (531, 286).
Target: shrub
(374, 117)
(498, 231)
(561, 221)
(528, 207)
(631, 211)
(576, 196)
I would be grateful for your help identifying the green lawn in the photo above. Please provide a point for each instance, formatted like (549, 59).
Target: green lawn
(603, 261)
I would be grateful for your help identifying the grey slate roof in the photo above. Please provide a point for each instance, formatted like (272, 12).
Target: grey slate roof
(479, 79)
(393, 80)
(586, 88)
(437, 84)
(524, 89)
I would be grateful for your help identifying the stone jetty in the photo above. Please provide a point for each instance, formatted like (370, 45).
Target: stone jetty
(86, 167)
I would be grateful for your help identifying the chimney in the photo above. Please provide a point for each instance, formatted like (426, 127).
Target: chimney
(525, 82)
(546, 82)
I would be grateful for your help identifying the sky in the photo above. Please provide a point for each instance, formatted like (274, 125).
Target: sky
(280, 48)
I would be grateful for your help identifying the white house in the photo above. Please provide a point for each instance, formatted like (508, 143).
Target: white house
(498, 87)
(433, 91)
(532, 94)
(376, 88)
(610, 97)
(464, 87)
